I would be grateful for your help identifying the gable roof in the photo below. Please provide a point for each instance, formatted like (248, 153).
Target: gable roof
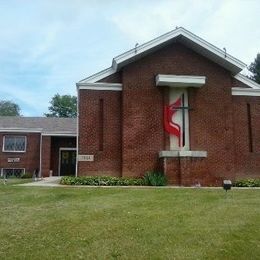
(250, 83)
(45, 125)
(178, 35)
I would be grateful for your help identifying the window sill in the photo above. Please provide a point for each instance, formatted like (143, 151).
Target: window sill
(171, 154)
(14, 151)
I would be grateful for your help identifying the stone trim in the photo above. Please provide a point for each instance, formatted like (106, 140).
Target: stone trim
(170, 154)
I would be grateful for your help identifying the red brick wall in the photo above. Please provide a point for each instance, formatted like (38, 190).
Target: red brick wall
(30, 160)
(107, 161)
(247, 163)
(143, 107)
(46, 155)
(215, 124)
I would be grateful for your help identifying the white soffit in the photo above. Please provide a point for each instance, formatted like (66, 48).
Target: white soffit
(180, 80)
(100, 86)
(180, 35)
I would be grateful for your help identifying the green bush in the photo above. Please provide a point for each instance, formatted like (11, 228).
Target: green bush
(26, 175)
(101, 181)
(247, 183)
(155, 179)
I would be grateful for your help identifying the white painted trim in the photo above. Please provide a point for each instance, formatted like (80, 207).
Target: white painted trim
(37, 130)
(65, 149)
(68, 148)
(100, 86)
(77, 138)
(173, 34)
(21, 130)
(7, 151)
(60, 134)
(245, 92)
(170, 154)
(247, 81)
(40, 174)
(180, 80)
(98, 76)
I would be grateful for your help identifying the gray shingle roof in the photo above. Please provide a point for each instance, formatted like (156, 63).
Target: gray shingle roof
(47, 125)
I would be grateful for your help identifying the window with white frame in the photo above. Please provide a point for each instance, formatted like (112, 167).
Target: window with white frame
(12, 172)
(14, 143)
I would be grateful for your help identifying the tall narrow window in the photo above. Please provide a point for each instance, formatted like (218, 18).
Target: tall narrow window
(176, 119)
(101, 124)
(250, 140)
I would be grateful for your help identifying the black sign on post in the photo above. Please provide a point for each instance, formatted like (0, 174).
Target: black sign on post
(227, 184)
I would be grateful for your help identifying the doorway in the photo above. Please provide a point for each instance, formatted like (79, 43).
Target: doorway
(67, 162)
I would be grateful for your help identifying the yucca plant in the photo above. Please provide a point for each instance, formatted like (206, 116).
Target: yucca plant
(153, 178)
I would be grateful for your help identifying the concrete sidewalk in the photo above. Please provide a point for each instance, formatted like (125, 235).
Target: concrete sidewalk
(46, 182)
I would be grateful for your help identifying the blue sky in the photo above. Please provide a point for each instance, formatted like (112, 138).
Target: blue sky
(47, 46)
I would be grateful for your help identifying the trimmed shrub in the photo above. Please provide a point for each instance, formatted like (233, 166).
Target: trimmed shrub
(247, 183)
(26, 175)
(101, 181)
(155, 179)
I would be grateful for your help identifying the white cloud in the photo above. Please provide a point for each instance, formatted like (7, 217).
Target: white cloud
(50, 45)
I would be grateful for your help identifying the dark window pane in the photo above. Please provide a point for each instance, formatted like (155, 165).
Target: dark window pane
(13, 172)
(14, 143)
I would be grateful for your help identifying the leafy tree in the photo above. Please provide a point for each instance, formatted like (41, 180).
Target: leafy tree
(9, 108)
(255, 69)
(63, 106)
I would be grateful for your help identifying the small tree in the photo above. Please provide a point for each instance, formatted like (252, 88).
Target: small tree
(63, 106)
(255, 69)
(9, 108)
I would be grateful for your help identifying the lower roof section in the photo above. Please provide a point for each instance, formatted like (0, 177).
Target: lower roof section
(52, 126)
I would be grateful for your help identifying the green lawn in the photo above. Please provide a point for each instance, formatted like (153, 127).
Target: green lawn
(128, 223)
(13, 181)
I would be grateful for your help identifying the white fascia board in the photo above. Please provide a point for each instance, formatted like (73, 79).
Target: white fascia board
(144, 47)
(247, 81)
(98, 76)
(72, 134)
(180, 80)
(21, 130)
(100, 86)
(170, 35)
(246, 92)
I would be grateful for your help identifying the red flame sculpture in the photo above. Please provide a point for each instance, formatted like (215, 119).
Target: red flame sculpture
(169, 125)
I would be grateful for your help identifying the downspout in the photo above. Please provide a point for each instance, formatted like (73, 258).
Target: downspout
(41, 155)
(77, 138)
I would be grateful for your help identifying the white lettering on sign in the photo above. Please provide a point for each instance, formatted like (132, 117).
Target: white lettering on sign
(86, 158)
(13, 160)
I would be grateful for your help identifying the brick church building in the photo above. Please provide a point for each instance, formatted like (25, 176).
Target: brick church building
(175, 104)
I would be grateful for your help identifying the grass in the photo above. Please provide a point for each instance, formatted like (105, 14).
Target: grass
(117, 223)
(13, 181)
